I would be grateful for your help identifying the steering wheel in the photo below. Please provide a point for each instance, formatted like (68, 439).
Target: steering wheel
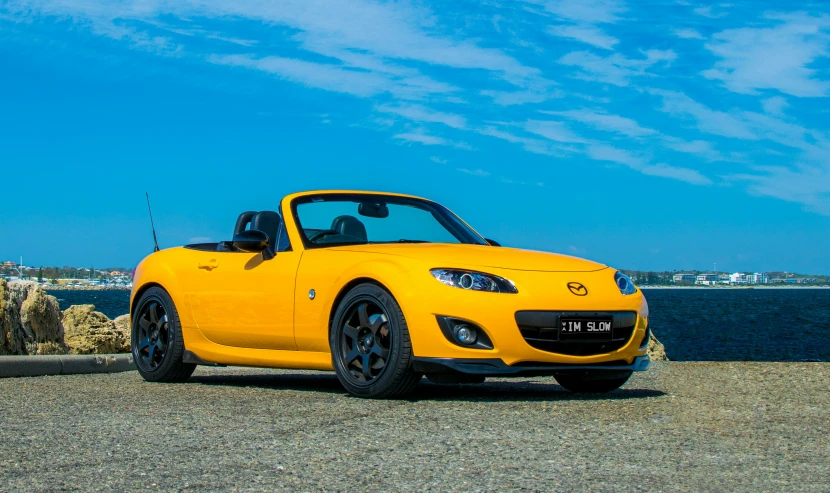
(321, 234)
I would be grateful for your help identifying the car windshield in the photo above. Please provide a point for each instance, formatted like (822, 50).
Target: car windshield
(354, 219)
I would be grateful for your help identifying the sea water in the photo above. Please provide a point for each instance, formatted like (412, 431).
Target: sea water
(694, 324)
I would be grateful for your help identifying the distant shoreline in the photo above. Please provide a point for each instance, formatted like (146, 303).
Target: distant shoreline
(757, 286)
(58, 287)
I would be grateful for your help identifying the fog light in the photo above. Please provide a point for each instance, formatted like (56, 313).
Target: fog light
(465, 334)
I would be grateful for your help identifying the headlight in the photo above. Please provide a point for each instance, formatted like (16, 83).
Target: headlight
(474, 281)
(624, 283)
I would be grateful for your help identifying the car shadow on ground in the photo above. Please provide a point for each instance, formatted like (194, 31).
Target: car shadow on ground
(502, 390)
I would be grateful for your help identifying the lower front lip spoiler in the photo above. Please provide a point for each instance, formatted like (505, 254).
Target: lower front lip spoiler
(495, 367)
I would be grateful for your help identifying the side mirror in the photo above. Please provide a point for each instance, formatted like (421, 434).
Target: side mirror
(252, 240)
(492, 242)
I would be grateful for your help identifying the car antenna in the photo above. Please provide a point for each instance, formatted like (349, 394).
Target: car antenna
(155, 240)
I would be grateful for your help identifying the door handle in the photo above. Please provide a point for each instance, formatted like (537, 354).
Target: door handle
(209, 265)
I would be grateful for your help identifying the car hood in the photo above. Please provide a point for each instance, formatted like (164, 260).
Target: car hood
(471, 256)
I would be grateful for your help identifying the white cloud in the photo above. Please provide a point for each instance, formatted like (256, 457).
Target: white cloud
(687, 33)
(337, 78)
(474, 172)
(556, 131)
(590, 11)
(359, 34)
(708, 120)
(509, 98)
(421, 137)
(707, 12)
(601, 152)
(615, 69)
(676, 173)
(606, 122)
(807, 185)
(436, 159)
(419, 113)
(591, 35)
(752, 59)
(536, 146)
(774, 105)
(700, 148)
(744, 125)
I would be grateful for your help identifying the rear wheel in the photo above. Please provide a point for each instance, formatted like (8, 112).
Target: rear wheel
(370, 345)
(592, 382)
(157, 340)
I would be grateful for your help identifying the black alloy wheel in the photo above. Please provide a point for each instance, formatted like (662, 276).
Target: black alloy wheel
(365, 341)
(153, 336)
(157, 341)
(370, 345)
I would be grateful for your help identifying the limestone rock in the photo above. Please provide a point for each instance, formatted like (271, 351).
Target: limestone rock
(41, 316)
(89, 332)
(5, 324)
(656, 350)
(123, 326)
(29, 318)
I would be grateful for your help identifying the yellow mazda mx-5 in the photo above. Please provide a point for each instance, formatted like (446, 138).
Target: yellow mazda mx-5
(383, 288)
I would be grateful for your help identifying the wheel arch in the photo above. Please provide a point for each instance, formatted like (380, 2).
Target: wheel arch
(348, 287)
(140, 292)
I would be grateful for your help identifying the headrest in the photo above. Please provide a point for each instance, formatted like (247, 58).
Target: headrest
(242, 221)
(350, 226)
(269, 223)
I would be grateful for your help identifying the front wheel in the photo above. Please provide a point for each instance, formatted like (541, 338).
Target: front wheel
(592, 383)
(370, 346)
(157, 340)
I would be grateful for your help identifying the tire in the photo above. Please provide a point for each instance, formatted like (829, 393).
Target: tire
(157, 340)
(370, 345)
(592, 383)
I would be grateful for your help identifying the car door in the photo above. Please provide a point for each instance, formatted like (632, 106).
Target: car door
(239, 299)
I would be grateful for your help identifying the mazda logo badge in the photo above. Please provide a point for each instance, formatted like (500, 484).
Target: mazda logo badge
(577, 289)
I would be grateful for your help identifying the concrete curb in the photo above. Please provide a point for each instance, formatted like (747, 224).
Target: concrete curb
(35, 366)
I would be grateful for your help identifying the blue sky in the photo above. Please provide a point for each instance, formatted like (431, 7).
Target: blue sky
(644, 135)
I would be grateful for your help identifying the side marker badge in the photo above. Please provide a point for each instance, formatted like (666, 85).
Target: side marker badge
(311, 294)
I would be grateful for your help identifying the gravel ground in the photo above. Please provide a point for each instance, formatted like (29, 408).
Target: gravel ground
(679, 426)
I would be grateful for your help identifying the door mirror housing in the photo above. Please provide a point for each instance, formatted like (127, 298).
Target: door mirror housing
(252, 240)
(492, 242)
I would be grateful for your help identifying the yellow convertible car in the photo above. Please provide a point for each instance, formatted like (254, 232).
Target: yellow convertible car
(383, 289)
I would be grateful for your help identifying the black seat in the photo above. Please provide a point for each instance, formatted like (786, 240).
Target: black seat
(269, 223)
(349, 226)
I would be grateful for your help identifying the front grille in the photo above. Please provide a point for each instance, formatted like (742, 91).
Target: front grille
(540, 329)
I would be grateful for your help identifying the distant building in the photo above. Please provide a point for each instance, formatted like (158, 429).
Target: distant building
(739, 278)
(706, 279)
(758, 278)
(793, 280)
(684, 277)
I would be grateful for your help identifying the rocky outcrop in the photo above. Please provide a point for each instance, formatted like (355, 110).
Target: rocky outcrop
(30, 320)
(89, 332)
(5, 324)
(124, 327)
(656, 351)
(40, 315)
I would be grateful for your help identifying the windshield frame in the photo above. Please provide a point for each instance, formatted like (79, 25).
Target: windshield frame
(471, 237)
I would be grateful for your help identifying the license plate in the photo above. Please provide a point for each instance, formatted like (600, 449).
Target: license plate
(585, 328)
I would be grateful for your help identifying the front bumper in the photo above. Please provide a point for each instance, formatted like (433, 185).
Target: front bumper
(495, 367)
